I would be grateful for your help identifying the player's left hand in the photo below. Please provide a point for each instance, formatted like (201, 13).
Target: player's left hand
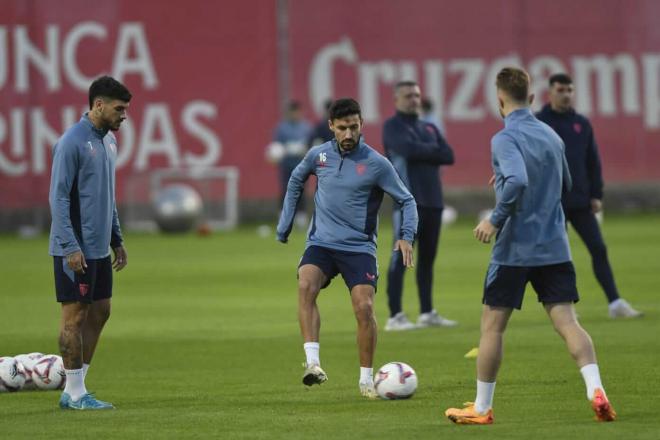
(406, 252)
(121, 258)
(484, 231)
(596, 206)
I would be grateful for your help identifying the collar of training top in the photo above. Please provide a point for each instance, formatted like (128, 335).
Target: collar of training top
(341, 152)
(101, 132)
(517, 115)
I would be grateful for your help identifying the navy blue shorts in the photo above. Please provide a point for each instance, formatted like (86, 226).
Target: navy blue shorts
(356, 268)
(93, 285)
(505, 285)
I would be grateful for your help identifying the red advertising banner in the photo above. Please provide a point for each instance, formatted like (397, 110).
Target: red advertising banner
(202, 75)
(455, 49)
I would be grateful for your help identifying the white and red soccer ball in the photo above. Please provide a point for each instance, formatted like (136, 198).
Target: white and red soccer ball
(12, 374)
(28, 361)
(395, 380)
(48, 373)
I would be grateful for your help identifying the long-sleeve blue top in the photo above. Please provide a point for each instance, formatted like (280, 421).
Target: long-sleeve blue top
(530, 174)
(417, 149)
(349, 192)
(82, 192)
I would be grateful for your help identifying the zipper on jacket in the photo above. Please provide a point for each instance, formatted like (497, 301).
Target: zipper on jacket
(341, 163)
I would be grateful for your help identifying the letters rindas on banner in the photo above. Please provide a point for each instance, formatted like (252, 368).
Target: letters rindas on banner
(639, 81)
(29, 134)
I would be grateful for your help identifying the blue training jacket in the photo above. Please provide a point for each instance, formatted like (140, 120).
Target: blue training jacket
(530, 174)
(82, 192)
(417, 149)
(581, 154)
(349, 193)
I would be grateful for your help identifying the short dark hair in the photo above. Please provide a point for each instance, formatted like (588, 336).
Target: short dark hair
(405, 83)
(514, 82)
(561, 78)
(344, 107)
(293, 105)
(108, 87)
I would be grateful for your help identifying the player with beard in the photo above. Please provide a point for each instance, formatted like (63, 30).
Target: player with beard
(85, 225)
(351, 180)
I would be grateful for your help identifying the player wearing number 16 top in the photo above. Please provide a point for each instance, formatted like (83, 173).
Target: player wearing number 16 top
(351, 181)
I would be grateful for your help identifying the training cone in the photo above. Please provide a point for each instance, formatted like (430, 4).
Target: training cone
(472, 353)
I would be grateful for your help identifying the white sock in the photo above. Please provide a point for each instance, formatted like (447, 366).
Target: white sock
(591, 376)
(75, 384)
(485, 393)
(312, 353)
(366, 375)
(85, 368)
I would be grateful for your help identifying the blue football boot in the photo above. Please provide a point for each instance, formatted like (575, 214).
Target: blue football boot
(86, 402)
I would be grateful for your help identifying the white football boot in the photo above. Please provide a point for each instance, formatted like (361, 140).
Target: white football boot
(399, 322)
(314, 375)
(368, 390)
(620, 308)
(432, 319)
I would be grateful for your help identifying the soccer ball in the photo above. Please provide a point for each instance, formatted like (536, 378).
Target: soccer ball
(296, 148)
(396, 380)
(177, 208)
(28, 361)
(48, 373)
(449, 215)
(12, 374)
(275, 152)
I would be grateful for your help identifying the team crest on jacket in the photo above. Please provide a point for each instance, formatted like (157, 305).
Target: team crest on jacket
(577, 127)
(360, 168)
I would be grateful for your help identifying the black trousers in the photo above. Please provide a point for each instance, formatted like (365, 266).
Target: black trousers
(428, 235)
(585, 224)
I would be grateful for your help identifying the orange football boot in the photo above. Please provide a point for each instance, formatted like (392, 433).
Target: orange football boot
(469, 416)
(602, 407)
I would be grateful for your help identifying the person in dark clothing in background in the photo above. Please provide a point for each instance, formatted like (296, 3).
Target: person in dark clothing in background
(584, 200)
(321, 132)
(290, 137)
(416, 149)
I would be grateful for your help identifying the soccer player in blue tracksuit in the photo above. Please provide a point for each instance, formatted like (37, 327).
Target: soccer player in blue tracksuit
(85, 226)
(416, 149)
(351, 180)
(583, 201)
(531, 246)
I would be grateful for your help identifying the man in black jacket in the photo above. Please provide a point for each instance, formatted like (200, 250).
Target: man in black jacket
(416, 149)
(585, 198)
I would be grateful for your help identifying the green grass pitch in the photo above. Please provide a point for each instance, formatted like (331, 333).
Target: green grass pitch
(204, 343)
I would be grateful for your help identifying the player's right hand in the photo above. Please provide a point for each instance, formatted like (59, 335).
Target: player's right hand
(406, 252)
(484, 231)
(76, 262)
